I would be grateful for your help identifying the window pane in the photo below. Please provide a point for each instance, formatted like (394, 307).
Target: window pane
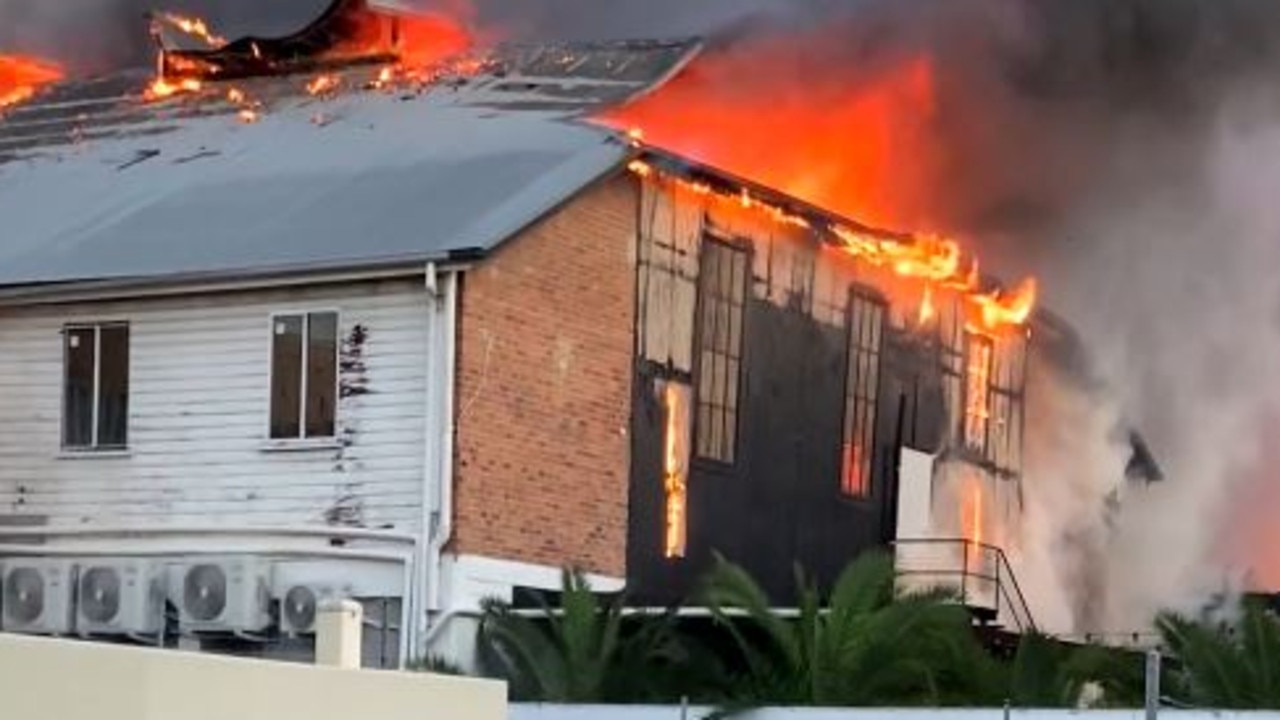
(721, 291)
(977, 412)
(286, 376)
(113, 387)
(722, 326)
(704, 430)
(738, 287)
(77, 415)
(866, 320)
(322, 373)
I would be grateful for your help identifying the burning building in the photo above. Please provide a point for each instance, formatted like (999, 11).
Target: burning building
(300, 318)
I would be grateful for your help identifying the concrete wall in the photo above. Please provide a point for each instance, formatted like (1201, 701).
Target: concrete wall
(563, 712)
(57, 680)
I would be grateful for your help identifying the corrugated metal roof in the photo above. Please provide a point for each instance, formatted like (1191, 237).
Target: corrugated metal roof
(95, 186)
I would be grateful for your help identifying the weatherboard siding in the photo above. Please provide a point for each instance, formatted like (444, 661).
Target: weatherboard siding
(198, 450)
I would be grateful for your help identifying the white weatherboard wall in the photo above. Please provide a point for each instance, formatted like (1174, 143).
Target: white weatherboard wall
(199, 398)
(668, 712)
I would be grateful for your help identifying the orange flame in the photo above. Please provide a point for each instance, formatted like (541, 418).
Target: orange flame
(858, 141)
(386, 76)
(934, 260)
(417, 40)
(193, 26)
(977, 409)
(21, 77)
(927, 310)
(847, 141)
(674, 483)
(162, 88)
(323, 85)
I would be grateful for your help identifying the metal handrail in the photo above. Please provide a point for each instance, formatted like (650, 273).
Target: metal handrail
(1002, 578)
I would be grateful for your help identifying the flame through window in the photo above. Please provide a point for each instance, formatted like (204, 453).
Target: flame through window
(866, 336)
(977, 403)
(674, 475)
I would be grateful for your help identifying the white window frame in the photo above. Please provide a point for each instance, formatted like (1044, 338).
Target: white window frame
(303, 439)
(95, 445)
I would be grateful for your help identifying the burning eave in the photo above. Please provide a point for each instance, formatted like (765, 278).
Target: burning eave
(727, 183)
(938, 264)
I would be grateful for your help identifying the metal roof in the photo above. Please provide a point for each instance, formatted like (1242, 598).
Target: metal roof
(97, 186)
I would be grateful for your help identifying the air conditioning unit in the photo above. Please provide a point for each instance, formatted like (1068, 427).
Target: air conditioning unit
(224, 595)
(37, 597)
(119, 597)
(301, 587)
(298, 608)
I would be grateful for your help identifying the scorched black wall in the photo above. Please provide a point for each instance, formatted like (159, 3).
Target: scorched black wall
(780, 504)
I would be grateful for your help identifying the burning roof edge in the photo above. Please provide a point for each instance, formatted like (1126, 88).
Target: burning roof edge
(818, 218)
(720, 179)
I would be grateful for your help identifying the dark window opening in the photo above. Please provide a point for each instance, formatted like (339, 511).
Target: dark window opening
(95, 414)
(304, 376)
(862, 384)
(722, 288)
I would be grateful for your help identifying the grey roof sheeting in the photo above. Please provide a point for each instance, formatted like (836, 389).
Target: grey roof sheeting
(148, 192)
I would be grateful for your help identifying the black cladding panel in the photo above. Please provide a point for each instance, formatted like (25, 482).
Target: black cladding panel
(779, 505)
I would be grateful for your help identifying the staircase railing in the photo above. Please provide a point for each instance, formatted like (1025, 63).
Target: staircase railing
(981, 566)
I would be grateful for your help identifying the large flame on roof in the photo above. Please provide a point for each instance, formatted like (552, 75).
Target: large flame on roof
(844, 139)
(935, 262)
(420, 39)
(21, 77)
(847, 140)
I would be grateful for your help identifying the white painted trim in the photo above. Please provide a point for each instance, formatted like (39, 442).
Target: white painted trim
(474, 578)
(91, 454)
(300, 445)
(438, 450)
(118, 531)
(200, 550)
(444, 531)
(416, 627)
(178, 286)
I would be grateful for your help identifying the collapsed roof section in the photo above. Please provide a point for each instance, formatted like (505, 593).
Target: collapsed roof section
(347, 24)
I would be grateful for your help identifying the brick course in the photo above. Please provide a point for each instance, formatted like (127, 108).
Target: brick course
(546, 330)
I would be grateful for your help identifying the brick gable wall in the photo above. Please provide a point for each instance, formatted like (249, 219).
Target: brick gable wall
(546, 338)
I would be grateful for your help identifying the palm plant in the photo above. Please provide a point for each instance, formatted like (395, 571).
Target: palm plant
(865, 645)
(1046, 673)
(1225, 665)
(585, 651)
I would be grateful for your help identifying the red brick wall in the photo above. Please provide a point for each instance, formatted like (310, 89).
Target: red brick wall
(544, 385)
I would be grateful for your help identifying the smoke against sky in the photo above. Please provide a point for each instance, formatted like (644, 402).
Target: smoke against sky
(1122, 150)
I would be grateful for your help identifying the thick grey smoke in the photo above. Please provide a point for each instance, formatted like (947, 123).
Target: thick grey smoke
(1125, 151)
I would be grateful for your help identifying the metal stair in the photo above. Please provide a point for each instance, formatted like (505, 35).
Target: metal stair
(979, 574)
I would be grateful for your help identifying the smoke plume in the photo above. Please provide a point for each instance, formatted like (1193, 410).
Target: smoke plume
(1122, 150)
